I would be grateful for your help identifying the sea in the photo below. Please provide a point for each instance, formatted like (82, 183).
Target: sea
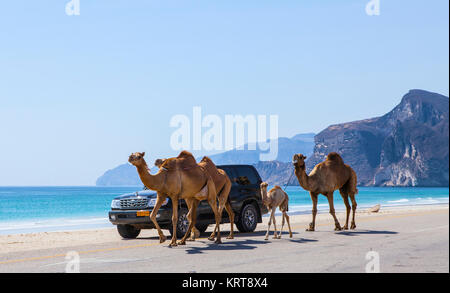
(47, 209)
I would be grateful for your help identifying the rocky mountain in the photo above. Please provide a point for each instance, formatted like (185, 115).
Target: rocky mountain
(303, 142)
(409, 146)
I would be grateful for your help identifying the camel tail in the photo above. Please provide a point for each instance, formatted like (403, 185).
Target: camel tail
(354, 182)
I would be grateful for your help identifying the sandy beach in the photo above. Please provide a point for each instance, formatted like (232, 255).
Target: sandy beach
(45, 251)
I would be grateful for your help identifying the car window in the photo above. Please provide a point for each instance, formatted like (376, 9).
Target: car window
(246, 176)
(229, 172)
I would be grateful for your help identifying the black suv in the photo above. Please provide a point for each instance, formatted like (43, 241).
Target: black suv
(130, 212)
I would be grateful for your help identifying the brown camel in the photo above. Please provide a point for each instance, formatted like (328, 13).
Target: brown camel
(223, 186)
(276, 197)
(325, 178)
(178, 178)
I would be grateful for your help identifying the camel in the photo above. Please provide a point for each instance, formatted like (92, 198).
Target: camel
(325, 178)
(223, 186)
(276, 198)
(178, 178)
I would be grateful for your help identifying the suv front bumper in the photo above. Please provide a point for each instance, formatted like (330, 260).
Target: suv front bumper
(123, 217)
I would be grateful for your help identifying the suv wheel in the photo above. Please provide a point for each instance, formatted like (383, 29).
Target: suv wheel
(182, 224)
(128, 231)
(248, 219)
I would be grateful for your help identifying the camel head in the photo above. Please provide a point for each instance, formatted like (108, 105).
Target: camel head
(299, 161)
(137, 159)
(159, 162)
(264, 186)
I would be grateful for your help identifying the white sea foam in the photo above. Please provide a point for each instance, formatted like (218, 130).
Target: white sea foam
(48, 225)
(398, 201)
(302, 209)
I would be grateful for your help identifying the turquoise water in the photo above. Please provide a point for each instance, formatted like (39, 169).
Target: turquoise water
(36, 209)
(300, 200)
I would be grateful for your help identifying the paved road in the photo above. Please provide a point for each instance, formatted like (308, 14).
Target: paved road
(414, 242)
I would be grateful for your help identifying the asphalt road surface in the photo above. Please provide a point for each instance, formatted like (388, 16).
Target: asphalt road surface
(409, 242)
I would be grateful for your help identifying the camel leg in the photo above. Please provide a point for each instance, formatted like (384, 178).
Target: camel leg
(329, 196)
(192, 205)
(174, 223)
(268, 228)
(289, 224)
(314, 211)
(222, 200)
(213, 205)
(223, 203)
(159, 201)
(275, 236)
(212, 201)
(194, 232)
(353, 190)
(231, 217)
(347, 206)
(354, 205)
(224, 197)
(213, 234)
(282, 225)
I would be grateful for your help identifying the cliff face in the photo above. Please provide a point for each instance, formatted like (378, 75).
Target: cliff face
(406, 147)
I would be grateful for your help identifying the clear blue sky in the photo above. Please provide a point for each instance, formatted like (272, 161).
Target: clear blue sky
(79, 93)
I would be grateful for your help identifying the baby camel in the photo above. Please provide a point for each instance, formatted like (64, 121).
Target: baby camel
(276, 197)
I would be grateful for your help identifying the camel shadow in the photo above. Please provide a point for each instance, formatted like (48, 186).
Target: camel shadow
(303, 240)
(366, 232)
(257, 233)
(223, 233)
(231, 245)
(144, 238)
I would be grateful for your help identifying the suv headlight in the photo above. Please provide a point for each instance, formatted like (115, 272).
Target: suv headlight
(115, 204)
(152, 202)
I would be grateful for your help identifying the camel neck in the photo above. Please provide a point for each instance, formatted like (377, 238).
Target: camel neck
(302, 178)
(153, 182)
(264, 195)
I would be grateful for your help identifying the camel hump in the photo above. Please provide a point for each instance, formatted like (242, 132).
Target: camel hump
(276, 187)
(169, 164)
(212, 169)
(333, 156)
(206, 159)
(185, 154)
(186, 159)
